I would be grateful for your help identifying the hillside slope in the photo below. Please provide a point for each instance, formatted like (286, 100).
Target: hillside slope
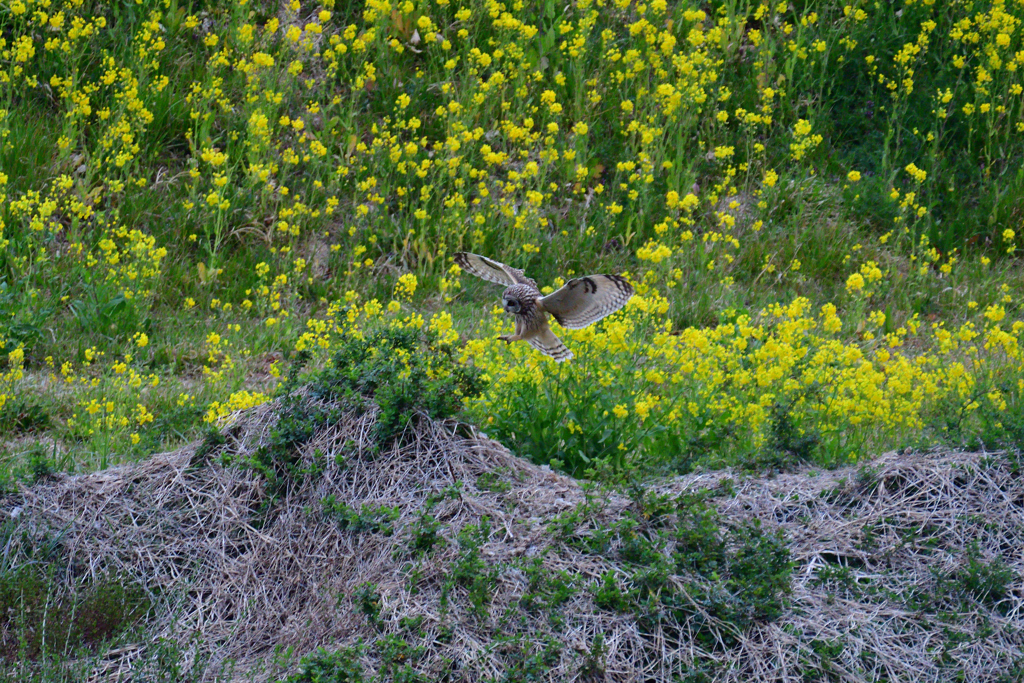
(445, 557)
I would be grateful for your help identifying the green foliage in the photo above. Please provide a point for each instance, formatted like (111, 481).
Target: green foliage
(546, 590)
(166, 662)
(565, 526)
(212, 440)
(738, 575)
(105, 313)
(22, 315)
(472, 571)
(759, 573)
(279, 461)
(23, 416)
(39, 617)
(608, 595)
(701, 671)
(524, 660)
(881, 129)
(406, 372)
(493, 482)
(426, 531)
(374, 519)
(987, 582)
(397, 657)
(367, 599)
(788, 444)
(699, 547)
(340, 666)
(826, 652)
(41, 463)
(594, 660)
(570, 423)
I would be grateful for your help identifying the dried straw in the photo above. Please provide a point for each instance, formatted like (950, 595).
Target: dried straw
(190, 531)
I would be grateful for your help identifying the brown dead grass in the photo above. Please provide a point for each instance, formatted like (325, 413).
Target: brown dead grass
(189, 531)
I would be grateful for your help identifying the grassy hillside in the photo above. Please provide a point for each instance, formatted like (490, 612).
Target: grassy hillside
(819, 205)
(317, 539)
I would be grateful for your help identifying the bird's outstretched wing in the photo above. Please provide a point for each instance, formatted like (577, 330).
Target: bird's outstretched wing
(585, 300)
(546, 342)
(491, 270)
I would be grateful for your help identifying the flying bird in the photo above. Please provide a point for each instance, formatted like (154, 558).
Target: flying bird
(579, 302)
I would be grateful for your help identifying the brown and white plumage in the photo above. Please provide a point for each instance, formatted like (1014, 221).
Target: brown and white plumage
(580, 302)
(493, 271)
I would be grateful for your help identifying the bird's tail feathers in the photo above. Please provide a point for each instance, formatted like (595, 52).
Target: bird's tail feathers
(546, 342)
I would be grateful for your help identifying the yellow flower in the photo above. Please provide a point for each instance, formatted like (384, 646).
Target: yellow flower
(406, 286)
(855, 282)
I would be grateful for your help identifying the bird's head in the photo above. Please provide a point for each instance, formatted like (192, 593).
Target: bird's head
(518, 299)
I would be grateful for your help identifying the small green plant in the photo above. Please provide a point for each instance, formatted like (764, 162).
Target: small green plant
(213, 439)
(701, 671)
(838, 576)
(826, 653)
(608, 595)
(280, 461)
(397, 656)
(166, 661)
(368, 600)
(988, 582)
(526, 661)
(594, 659)
(426, 530)
(425, 534)
(340, 666)
(546, 590)
(759, 574)
(567, 526)
(41, 464)
(788, 444)
(368, 518)
(699, 546)
(493, 482)
(637, 547)
(738, 576)
(471, 570)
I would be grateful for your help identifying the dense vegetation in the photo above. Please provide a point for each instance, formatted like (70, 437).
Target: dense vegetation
(819, 205)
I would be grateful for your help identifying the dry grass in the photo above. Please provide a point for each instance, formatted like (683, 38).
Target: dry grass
(190, 531)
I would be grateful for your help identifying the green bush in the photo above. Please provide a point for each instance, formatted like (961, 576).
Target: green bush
(405, 371)
(340, 666)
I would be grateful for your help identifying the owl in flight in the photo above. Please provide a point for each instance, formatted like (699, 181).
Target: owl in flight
(580, 302)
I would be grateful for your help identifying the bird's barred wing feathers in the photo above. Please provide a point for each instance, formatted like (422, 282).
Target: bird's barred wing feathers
(585, 300)
(546, 342)
(491, 270)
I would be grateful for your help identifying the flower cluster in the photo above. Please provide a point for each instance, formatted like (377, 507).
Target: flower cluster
(196, 197)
